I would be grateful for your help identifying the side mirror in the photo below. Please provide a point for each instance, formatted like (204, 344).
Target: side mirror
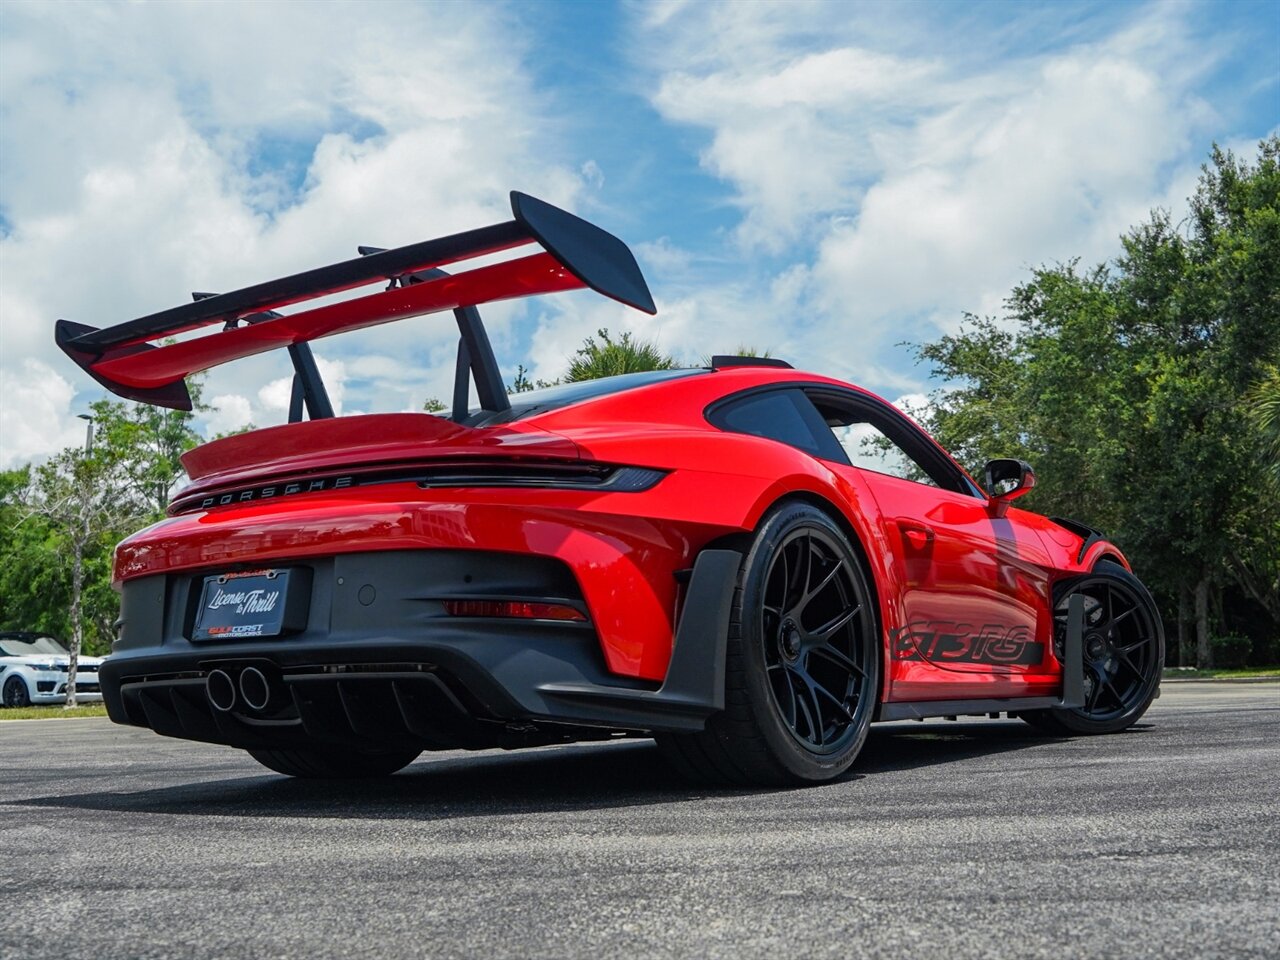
(1007, 479)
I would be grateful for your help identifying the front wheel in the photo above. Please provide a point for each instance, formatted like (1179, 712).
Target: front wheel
(335, 763)
(802, 666)
(16, 693)
(1123, 652)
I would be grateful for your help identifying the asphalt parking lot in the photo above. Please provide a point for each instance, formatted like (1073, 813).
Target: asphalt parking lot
(969, 839)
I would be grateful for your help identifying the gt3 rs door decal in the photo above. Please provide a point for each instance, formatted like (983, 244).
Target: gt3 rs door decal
(945, 642)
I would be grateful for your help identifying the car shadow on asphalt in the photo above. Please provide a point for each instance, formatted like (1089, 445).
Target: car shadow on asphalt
(908, 745)
(580, 777)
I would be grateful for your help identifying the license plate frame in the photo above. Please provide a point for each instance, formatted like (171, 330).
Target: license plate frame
(265, 603)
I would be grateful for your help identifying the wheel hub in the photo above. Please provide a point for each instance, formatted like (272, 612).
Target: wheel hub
(1095, 646)
(790, 639)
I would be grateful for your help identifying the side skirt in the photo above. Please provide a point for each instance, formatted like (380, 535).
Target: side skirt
(1072, 685)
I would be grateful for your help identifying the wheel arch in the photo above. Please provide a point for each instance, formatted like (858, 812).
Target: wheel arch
(1104, 550)
(856, 542)
(17, 673)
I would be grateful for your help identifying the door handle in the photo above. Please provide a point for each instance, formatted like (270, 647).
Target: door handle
(918, 536)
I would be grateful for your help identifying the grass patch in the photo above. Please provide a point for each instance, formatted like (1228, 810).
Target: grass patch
(52, 711)
(1191, 673)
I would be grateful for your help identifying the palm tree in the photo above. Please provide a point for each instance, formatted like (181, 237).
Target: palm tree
(1263, 407)
(744, 350)
(611, 357)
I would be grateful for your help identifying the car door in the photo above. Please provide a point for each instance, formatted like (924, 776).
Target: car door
(972, 595)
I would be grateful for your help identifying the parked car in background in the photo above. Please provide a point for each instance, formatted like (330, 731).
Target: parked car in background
(34, 668)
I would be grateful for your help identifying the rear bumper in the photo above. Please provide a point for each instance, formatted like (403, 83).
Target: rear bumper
(621, 552)
(404, 674)
(82, 696)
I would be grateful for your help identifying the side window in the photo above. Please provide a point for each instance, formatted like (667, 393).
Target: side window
(787, 416)
(886, 442)
(869, 449)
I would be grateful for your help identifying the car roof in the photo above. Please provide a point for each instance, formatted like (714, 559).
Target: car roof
(739, 375)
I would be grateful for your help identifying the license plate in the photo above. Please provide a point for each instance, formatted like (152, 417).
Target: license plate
(253, 603)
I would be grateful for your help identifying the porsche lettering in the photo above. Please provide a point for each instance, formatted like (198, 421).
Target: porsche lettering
(265, 493)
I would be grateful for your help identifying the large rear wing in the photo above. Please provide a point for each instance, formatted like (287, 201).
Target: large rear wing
(575, 254)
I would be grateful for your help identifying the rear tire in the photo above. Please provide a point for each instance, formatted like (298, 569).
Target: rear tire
(335, 763)
(803, 662)
(1123, 656)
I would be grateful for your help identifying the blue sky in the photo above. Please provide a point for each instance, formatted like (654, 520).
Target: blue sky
(822, 179)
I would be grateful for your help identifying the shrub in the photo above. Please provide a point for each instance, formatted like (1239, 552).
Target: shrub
(1231, 651)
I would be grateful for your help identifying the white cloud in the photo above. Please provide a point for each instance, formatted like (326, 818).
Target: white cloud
(231, 412)
(35, 417)
(902, 177)
(592, 174)
(268, 141)
(273, 399)
(890, 172)
(792, 136)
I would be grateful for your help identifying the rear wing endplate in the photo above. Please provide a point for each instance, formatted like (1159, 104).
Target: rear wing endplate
(575, 255)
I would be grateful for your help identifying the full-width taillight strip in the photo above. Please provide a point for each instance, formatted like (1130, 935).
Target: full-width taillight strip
(569, 476)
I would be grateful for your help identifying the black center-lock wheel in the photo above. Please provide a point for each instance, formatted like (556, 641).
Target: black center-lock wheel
(1123, 652)
(802, 666)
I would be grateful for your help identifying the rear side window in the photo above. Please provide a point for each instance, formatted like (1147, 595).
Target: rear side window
(783, 415)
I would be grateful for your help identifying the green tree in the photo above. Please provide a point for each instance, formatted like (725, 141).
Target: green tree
(74, 494)
(61, 521)
(522, 383)
(1262, 406)
(1127, 384)
(144, 445)
(610, 357)
(33, 581)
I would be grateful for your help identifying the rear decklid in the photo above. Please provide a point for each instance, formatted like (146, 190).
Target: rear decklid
(342, 452)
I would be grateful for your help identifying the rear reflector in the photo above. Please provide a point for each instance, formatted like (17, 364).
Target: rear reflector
(517, 609)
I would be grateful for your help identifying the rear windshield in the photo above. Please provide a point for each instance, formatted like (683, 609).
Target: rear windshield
(39, 645)
(553, 398)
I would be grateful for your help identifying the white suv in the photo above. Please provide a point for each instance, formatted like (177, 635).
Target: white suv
(33, 669)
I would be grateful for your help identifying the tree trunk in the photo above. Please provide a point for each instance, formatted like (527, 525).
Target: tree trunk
(77, 627)
(1261, 587)
(1184, 625)
(1204, 655)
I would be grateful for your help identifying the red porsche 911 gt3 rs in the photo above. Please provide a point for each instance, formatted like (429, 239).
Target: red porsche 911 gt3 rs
(749, 563)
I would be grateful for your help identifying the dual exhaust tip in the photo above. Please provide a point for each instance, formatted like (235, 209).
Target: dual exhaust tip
(251, 689)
